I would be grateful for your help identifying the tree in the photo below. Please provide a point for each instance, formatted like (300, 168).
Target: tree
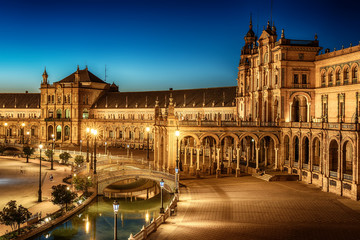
(13, 215)
(49, 153)
(28, 151)
(65, 156)
(83, 183)
(62, 195)
(79, 160)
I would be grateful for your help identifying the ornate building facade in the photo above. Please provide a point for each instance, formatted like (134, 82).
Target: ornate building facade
(293, 109)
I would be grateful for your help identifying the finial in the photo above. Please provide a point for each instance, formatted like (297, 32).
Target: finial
(250, 25)
(86, 68)
(316, 37)
(77, 68)
(282, 34)
(342, 47)
(350, 44)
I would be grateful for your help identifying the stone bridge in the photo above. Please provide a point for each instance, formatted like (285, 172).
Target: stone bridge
(111, 171)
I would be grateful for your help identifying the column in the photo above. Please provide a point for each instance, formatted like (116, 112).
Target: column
(230, 160)
(218, 171)
(191, 170)
(257, 157)
(276, 158)
(237, 162)
(203, 164)
(247, 155)
(266, 155)
(198, 161)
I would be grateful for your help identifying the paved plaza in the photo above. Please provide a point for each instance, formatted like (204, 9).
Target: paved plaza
(20, 181)
(249, 208)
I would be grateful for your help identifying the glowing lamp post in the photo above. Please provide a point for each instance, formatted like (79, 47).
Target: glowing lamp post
(28, 137)
(148, 132)
(53, 151)
(39, 199)
(162, 200)
(23, 133)
(177, 134)
(116, 209)
(105, 147)
(87, 144)
(94, 132)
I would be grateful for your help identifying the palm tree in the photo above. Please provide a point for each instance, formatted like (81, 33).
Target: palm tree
(28, 151)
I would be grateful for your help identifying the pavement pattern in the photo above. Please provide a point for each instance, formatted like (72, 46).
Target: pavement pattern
(249, 208)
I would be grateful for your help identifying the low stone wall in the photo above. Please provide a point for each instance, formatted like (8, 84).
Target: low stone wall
(58, 220)
(152, 227)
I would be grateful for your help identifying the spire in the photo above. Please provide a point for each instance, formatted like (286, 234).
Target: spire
(316, 37)
(77, 75)
(250, 25)
(282, 34)
(45, 76)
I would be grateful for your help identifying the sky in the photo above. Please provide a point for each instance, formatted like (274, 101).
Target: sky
(153, 45)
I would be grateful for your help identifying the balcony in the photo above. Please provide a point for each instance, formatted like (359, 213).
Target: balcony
(299, 85)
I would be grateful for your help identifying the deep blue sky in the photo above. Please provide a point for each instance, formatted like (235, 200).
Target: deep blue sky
(153, 45)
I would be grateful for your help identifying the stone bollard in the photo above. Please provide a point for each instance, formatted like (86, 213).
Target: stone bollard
(143, 229)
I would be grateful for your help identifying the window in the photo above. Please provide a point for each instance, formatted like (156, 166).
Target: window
(323, 80)
(58, 113)
(59, 99)
(52, 98)
(51, 113)
(67, 113)
(296, 79)
(346, 75)
(67, 132)
(303, 79)
(120, 134)
(49, 99)
(355, 73)
(111, 134)
(85, 114)
(331, 78)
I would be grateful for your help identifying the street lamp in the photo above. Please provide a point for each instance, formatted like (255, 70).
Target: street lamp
(87, 144)
(5, 124)
(105, 147)
(94, 132)
(39, 199)
(53, 151)
(177, 134)
(28, 136)
(116, 209)
(148, 131)
(22, 133)
(162, 201)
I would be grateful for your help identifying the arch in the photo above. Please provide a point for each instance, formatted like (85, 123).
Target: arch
(184, 135)
(58, 113)
(287, 147)
(267, 152)
(337, 75)
(323, 78)
(58, 132)
(203, 136)
(234, 136)
(333, 155)
(272, 136)
(305, 150)
(354, 73)
(67, 113)
(348, 157)
(316, 151)
(330, 74)
(296, 149)
(299, 107)
(248, 134)
(50, 131)
(66, 132)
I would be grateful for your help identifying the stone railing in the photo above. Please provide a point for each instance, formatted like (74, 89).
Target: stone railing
(152, 227)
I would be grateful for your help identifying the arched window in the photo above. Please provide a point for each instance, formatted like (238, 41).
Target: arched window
(67, 132)
(337, 77)
(323, 80)
(58, 113)
(354, 74)
(331, 79)
(346, 75)
(67, 113)
(85, 114)
(58, 132)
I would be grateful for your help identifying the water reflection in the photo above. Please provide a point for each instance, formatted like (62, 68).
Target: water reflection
(97, 220)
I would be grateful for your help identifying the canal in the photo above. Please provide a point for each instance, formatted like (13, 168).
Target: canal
(96, 221)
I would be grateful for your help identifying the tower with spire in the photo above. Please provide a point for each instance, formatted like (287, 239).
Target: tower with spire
(45, 77)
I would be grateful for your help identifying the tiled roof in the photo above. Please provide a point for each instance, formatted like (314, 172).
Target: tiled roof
(20, 100)
(189, 96)
(85, 76)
